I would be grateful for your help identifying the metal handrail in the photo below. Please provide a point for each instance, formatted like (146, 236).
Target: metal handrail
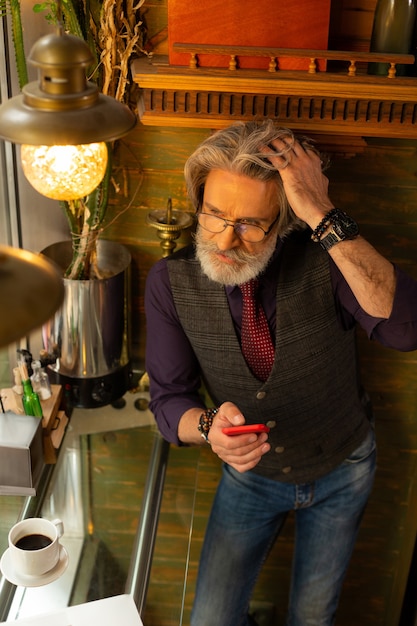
(141, 562)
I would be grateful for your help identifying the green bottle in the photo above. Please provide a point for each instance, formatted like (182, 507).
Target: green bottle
(30, 399)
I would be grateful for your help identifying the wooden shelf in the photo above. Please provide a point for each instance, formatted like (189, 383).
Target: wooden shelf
(344, 103)
(54, 424)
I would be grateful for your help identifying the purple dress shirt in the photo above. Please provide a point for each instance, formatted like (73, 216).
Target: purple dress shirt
(172, 366)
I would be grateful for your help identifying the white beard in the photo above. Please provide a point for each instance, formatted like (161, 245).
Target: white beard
(245, 267)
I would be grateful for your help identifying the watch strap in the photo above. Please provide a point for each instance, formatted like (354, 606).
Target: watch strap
(330, 240)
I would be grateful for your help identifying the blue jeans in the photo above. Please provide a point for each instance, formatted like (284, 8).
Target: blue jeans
(247, 515)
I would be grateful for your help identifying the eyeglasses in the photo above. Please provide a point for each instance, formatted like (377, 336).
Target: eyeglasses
(251, 233)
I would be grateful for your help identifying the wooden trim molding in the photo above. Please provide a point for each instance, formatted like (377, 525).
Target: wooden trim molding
(349, 102)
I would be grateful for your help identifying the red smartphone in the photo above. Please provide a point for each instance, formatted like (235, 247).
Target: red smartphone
(245, 429)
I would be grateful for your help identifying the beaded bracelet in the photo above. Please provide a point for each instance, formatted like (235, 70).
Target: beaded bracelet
(323, 225)
(206, 420)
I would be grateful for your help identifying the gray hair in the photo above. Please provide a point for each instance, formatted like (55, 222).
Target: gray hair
(236, 149)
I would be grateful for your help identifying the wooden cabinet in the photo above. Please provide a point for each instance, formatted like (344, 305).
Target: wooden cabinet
(279, 24)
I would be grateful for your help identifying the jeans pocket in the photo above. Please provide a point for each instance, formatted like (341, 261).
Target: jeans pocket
(364, 450)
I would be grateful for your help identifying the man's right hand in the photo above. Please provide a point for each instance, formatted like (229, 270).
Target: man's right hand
(242, 452)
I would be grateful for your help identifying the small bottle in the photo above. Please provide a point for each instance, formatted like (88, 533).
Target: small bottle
(17, 387)
(40, 381)
(30, 400)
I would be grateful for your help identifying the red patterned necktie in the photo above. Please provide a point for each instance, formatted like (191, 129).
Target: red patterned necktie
(257, 345)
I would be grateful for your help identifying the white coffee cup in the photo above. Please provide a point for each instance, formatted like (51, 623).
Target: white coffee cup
(34, 545)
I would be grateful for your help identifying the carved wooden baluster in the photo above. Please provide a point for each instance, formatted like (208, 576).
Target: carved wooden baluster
(232, 62)
(392, 70)
(272, 64)
(352, 68)
(193, 61)
(312, 68)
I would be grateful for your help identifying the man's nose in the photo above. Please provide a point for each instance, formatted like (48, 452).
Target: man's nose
(227, 238)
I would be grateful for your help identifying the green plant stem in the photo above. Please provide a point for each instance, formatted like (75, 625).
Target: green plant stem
(71, 19)
(12, 7)
(85, 217)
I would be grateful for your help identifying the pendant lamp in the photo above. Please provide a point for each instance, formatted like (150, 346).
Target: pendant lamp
(62, 121)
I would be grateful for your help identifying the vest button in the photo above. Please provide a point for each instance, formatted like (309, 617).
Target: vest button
(260, 395)
(279, 450)
(271, 423)
(287, 470)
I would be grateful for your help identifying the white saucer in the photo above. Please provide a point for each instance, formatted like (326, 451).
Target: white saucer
(33, 581)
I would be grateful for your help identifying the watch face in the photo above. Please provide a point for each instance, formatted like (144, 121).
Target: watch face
(345, 226)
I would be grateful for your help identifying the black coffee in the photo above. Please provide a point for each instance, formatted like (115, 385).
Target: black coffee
(33, 542)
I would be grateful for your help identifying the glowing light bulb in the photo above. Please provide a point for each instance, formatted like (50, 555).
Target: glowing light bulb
(64, 172)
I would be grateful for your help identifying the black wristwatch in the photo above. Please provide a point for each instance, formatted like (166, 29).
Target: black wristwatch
(342, 227)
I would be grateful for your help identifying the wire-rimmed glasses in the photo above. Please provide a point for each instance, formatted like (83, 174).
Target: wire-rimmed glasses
(252, 233)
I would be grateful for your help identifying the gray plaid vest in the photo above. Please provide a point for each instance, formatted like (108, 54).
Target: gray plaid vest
(312, 398)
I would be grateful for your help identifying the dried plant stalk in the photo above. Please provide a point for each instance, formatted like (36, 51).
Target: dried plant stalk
(120, 37)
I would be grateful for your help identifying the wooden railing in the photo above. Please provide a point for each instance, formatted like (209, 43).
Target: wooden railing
(234, 52)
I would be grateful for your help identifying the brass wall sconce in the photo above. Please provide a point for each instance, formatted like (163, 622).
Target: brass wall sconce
(169, 224)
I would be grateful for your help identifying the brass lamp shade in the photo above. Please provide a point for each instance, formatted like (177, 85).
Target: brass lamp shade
(32, 290)
(62, 107)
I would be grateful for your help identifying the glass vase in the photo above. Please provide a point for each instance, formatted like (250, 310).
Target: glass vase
(393, 31)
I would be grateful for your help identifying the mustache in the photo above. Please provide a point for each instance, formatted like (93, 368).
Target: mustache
(235, 254)
(243, 264)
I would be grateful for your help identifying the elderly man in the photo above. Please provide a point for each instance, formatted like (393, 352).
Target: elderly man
(262, 310)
